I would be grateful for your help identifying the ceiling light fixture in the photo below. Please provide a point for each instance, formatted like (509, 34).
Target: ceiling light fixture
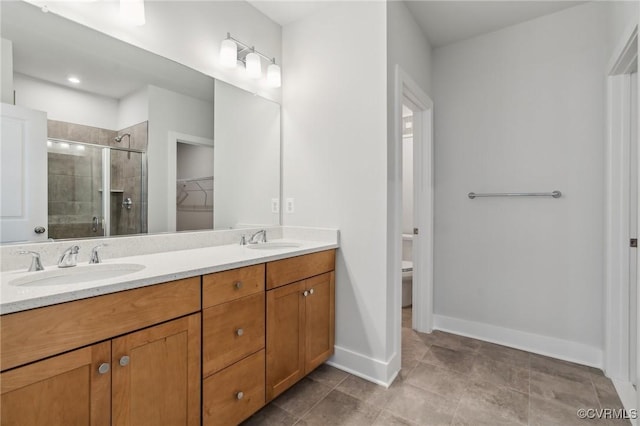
(232, 50)
(132, 12)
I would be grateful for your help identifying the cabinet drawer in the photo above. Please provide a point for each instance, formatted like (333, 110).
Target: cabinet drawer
(36, 334)
(298, 268)
(225, 286)
(235, 393)
(232, 331)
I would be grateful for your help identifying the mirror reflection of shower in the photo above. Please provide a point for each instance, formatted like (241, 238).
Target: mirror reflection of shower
(80, 173)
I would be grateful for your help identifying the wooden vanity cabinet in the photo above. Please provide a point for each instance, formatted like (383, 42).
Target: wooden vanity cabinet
(233, 342)
(300, 318)
(149, 375)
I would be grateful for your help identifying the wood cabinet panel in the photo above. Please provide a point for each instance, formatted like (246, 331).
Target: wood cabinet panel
(232, 331)
(29, 336)
(285, 338)
(225, 286)
(286, 271)
(156, 375)
(222, 402)
(64, 390)
(320, 320)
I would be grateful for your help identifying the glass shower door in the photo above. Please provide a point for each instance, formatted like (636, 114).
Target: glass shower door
(74, 189)
(127, 193)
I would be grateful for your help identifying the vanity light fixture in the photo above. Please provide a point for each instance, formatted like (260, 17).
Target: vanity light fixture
(233, 51)
(132, 12)
(73, 79)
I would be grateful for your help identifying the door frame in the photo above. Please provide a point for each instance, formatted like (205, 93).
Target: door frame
(406, 87)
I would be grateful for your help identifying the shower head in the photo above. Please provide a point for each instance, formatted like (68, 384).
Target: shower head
(119, 138)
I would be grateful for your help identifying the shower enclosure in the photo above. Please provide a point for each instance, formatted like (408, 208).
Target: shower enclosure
(95, 190)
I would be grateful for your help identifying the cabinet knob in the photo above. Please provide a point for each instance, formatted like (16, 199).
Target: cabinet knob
(124, 361)
(239, 332)
(305, 293)
(103, 368)
(238, 285)
(310, 291)
(240, 395)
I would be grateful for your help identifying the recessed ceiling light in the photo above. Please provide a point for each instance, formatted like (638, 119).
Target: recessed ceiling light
(73, 79)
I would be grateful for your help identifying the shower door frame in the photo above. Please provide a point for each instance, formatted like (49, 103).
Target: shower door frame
(106, 183)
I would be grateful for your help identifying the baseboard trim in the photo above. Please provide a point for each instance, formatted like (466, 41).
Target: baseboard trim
(536, 343)
(627, 394)
(363, 366)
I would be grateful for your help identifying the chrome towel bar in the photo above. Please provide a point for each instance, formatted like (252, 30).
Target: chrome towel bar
(554, 194)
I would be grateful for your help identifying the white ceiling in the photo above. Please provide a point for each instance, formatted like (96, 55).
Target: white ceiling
(443, 22)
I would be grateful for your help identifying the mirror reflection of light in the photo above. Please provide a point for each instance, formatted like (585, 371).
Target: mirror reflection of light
(49, 144)
(63, 145)
(80, 147)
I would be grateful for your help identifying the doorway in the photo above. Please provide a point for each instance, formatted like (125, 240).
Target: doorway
(414, 219)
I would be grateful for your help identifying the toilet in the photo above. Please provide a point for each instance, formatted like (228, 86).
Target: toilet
(407, 270)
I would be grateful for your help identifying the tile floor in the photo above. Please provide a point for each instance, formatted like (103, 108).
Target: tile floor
(449, 380)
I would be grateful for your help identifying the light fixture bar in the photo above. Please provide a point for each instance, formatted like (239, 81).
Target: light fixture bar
(246, 47)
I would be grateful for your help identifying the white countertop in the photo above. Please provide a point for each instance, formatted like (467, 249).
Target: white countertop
(158, 268)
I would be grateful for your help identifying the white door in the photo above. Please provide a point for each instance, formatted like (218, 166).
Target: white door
(23, 174)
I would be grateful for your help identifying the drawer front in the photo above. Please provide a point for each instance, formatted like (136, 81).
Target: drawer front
(226, 286)
(36, 334)
(286, 271)
(232, 331)
(235, 393)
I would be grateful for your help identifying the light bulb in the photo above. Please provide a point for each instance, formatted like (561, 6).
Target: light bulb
(228, 53)
(254, 67)
(132, 12)
(273, 75)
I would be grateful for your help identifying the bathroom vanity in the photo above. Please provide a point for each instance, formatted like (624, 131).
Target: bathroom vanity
(211, 348)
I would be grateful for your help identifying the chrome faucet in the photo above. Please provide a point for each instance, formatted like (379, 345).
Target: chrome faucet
(262, 234)
(95, 254)
(69, 257)
(36, 264)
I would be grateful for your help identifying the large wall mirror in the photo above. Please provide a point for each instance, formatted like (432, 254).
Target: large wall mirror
(137, 143)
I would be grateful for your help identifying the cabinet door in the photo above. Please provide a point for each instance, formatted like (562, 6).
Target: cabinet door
(69, 389)
(320, 320)
(156, 375)
(285, 337)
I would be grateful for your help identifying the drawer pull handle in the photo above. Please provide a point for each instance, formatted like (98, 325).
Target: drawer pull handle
(124, 361)
(305, 293)
(239, 332)
(240, 395)
(103, 368)
(238, 285)
(311, 291)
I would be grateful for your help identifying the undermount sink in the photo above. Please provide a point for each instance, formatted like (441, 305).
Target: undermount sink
(76, 274)
(275, 245)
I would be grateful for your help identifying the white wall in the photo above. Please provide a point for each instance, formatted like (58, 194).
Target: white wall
(6, 71)
(133, 109)
(66, 104)
(170, 112)
(195, 45)
(520, 110)
(247, 158)
(622, 16)
(334, 124)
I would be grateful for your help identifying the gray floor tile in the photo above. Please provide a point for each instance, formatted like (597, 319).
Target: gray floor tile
(451, 341)
(420, 406)
(438, 380)
(302, 397)
(338, 408)
(502, 403)
(556, 367)
(457, 360)
(505, 354)
(365, 391)
(387, 419)
(547, 412)
(569, 392)
(271, 415)
(499, 373)
(606, 392)
(328, 376)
